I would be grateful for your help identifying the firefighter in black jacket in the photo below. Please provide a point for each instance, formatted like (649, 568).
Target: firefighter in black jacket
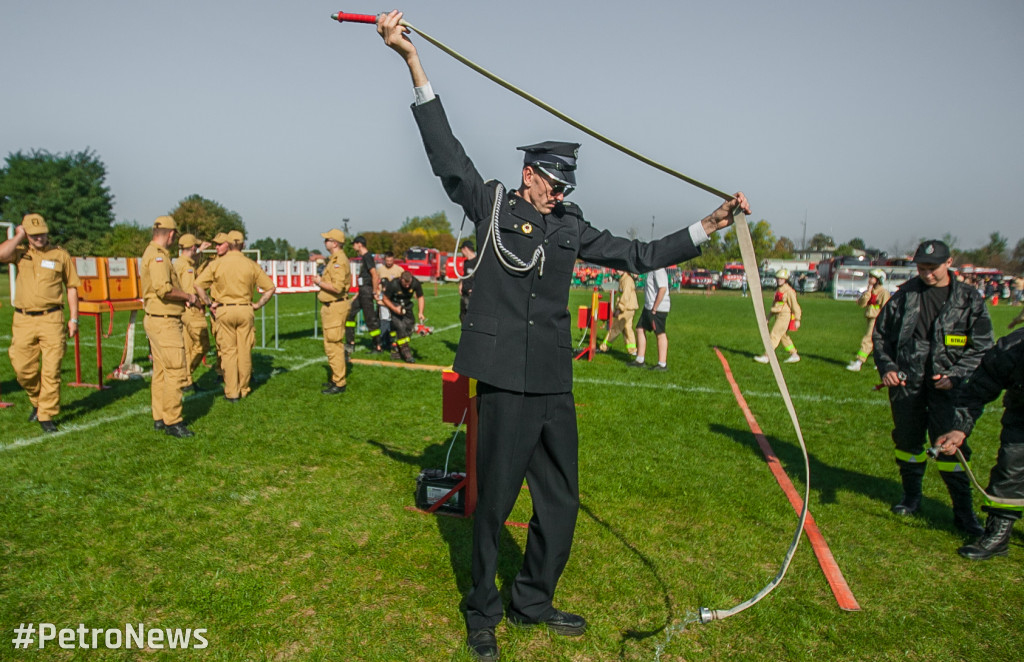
(398, 296)
(1001, 369)
(928, 338)
(517, 342)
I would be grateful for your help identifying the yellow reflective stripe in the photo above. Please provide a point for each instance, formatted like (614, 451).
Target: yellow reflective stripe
(861, 354)
(374, 333)
(947, 466)
(402, 341)
(351, 324)
(1003, 506)
(956, 341)
(904, 456)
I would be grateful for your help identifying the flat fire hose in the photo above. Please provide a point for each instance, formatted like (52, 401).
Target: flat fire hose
(994, 499)
(749, 265)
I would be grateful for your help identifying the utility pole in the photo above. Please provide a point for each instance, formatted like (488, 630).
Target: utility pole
(652, 227)
(803, 242)
(344, 223)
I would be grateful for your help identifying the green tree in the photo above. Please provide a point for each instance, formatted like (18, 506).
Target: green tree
(820, 242)
(124, 240)
(302, 254)
(784, 249)
(266, 247)
(857, 243)
(431, 225)
(205, 218)
(69, 190)
(844, 250)
(1018, 256)
(761, 236)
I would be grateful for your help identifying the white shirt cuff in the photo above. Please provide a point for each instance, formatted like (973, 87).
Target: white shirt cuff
(697, 234)
(424, 94)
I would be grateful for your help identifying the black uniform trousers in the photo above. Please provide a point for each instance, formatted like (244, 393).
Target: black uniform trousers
(532, 436)
(364, 302)
(920, 416)
(1007, 477)
(402, 326)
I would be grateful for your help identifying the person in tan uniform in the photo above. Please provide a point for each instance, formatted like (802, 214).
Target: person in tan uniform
(786, 310)
(164, 301)
(334, 308)
(231, 280)
(872, 300)
(221, 244)
(193, 322)
(625, 309)
(44, 272)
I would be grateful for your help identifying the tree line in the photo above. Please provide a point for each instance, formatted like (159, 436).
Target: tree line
(70, 191)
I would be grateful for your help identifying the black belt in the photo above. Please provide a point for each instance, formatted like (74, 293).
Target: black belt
(329, 303)
(36, 313)
(174, 316)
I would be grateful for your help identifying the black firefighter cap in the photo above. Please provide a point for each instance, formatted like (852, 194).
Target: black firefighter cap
(932, 251)
(555, 159)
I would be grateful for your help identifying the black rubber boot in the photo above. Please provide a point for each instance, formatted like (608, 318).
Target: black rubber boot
(994, 542)
(406, 353)
(959, 486)
(912, 476)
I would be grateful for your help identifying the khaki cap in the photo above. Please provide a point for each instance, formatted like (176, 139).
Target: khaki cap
(34, 224)
(187, 240)
(221, 238)
(236, 236)
(335, 235)
(165, 222)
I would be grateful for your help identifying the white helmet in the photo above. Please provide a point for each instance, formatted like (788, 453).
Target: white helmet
(783, 274)
(877, 273)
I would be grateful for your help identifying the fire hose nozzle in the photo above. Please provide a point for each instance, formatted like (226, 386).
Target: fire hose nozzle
(706, 615)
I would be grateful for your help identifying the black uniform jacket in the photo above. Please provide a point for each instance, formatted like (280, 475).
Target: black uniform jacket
(1002, 368)
(516, 335)
(962, 333)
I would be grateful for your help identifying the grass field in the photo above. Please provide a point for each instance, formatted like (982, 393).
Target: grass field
(283, 527)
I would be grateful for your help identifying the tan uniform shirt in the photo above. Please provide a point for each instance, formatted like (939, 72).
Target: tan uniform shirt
(880, 295)
(231, 279)
(187, 273)
(337, 273)
(42, 277)
(627, 294)
(391, 273)
(158, 279)
(786, 305)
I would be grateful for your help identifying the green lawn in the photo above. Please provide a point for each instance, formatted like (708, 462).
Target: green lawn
(283, 527)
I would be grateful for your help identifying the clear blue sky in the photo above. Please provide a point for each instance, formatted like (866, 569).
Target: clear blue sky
(879, 119)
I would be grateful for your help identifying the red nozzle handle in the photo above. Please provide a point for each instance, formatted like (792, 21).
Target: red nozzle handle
(342, 17)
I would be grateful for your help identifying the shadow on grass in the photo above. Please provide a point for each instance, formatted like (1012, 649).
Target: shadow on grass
(636, 634)
(456, 531)
(100, 398)
(827, 480)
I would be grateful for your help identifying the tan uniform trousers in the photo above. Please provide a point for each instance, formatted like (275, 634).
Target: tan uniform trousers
(780, 333)
(333, 318)
(235, 340)
(866, 343)
(197, 339)
(167, 343)
(623, 323)
(33, 336)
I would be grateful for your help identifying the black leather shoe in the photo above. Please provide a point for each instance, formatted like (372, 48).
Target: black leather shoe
(560, 622)
(233, 400)
(995, 541)
(159, 425)
(333, 389)
(483, 645)
(634, 364)
(178, 430)
(33, 415)
(48, 426)
(907, 506)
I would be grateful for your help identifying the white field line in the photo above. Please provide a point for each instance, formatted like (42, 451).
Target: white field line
(880, 401)
(138, 411)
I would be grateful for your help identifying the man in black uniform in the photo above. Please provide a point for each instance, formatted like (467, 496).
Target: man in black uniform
(517, 342)
(369, 288)
(928, 338)
(398, 296)
(1002, 368)
(466, 281)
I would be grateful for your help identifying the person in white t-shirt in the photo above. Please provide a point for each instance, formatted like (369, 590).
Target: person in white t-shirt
(656, 307)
